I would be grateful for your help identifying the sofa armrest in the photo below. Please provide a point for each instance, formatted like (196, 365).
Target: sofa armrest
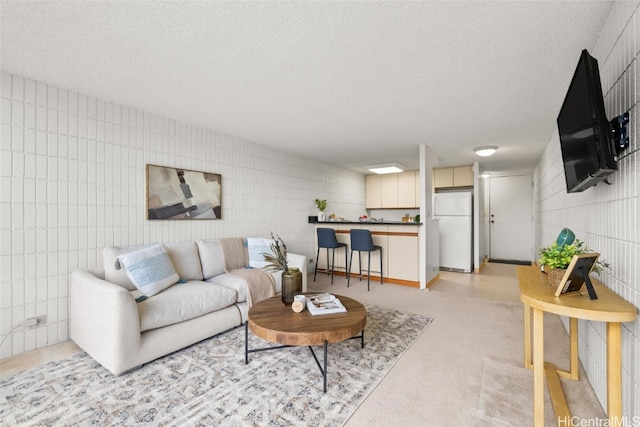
(300, 262)
(104, 320)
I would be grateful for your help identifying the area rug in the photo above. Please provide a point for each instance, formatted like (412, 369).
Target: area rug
(209, 384)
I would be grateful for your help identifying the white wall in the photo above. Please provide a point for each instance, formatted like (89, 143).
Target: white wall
(72, 180)
(428, 235)
(478, 217)
(606, 217)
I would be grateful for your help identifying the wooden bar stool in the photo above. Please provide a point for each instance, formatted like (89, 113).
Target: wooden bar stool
(362, 241)
(327, 240)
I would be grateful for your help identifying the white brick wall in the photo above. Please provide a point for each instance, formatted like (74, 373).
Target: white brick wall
(72, 180)
(605, 217)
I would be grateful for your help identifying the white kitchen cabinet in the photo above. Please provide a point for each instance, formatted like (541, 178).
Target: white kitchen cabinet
(459, 176)
(373, 191)
(463, 176)
(392, 191)
(407, 190)
(389, 189)
(402, 253)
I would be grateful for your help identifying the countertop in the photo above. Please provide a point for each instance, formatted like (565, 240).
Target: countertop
(370, 222)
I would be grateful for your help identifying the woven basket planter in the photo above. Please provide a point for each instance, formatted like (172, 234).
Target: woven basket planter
(555, 276)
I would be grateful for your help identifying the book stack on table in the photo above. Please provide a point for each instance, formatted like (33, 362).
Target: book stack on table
(325, 303)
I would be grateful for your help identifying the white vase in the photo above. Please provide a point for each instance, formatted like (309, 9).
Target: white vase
(321, 217)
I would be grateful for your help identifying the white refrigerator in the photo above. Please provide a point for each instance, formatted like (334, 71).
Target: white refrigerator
(454, 210)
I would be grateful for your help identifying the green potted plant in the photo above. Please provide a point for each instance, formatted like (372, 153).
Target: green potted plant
(556, 258)
(321, 204)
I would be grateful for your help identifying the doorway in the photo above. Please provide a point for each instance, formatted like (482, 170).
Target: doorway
(510, 219)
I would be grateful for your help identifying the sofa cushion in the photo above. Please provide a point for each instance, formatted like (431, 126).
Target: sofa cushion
(186, 260)
(182, 302)
(149, 269)
(234, 283)
(258, 246)
(211, 257)
(118, 275)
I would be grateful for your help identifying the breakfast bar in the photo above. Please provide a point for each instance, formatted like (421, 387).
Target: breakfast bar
(400, 249)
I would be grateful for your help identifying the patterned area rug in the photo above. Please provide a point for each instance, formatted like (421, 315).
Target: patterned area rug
(209, 384)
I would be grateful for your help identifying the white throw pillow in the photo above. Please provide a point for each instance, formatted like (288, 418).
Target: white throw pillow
(258, 246)
(185, 259)
(114, 274)
(212, 258)
(150, 269)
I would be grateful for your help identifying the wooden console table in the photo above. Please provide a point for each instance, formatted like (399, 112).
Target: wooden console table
(538, 296)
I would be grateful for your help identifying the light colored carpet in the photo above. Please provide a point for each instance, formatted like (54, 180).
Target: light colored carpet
(505, 396)
(209, 383)
(439, 380)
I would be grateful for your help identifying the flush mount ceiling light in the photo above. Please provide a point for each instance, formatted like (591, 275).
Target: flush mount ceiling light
(486, 150)
(386, 168)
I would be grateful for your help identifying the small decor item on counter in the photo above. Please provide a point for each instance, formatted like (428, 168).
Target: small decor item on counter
(417, 218)
(321, 205)
(277, 261)
(406, 218)
(363, 218)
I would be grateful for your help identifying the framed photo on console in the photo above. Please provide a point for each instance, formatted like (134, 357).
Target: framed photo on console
(577, 275)
(175, 193)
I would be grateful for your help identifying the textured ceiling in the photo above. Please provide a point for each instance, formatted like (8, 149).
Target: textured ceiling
(347, 83)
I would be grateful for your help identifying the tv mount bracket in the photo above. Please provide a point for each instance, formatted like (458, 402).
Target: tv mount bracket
(619, 132)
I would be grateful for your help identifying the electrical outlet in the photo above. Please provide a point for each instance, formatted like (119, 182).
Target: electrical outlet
(33, 322)
(310, 260)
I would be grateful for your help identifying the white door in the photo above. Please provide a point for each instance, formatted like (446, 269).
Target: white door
(510, 218)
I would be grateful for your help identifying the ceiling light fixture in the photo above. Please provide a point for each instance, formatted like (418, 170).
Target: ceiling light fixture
(386, 168)
(486, 150)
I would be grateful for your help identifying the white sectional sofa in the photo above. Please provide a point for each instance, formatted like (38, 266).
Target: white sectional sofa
(120, 328)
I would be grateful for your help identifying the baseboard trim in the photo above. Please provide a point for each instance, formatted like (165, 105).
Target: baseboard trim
(433, 281)
(410, 283)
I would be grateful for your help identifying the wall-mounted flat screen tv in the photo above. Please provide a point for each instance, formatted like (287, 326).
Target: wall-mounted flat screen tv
(586, 143)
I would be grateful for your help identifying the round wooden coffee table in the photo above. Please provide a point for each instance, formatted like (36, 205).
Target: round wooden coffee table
(273, 321)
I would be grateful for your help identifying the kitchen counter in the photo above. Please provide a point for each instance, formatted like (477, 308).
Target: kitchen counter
(369, 222)
(400, 249)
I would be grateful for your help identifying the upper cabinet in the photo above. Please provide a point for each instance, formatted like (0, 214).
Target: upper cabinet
(394, 190)
(373, 191)
(407, 190)
(460, 176)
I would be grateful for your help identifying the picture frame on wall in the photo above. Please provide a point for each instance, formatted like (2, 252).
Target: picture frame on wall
(182, 194)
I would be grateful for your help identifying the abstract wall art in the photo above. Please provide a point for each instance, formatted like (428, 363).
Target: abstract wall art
(174, 193)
